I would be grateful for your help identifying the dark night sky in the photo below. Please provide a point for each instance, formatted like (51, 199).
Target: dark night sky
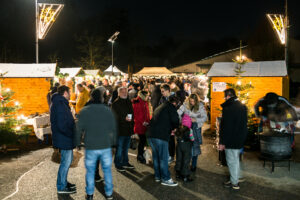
(197, 20)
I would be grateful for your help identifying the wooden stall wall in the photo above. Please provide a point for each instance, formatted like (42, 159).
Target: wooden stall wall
(262, 85)
(30, 92)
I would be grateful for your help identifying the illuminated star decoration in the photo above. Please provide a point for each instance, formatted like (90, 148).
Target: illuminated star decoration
(48, 13)
(278, 24)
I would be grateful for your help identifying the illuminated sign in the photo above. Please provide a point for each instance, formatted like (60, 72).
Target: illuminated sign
(48, 13)
(278, 24)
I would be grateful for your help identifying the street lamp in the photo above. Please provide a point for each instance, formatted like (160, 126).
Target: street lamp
(112, 40)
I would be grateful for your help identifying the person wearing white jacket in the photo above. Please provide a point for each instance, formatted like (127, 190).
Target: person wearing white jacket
(196, 110)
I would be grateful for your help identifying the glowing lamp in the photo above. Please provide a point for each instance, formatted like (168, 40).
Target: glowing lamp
(2, 120)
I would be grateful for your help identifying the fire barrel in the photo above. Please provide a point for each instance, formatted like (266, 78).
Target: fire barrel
(275, 145)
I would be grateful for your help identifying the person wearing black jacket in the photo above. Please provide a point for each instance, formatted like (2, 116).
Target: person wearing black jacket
(63, 129)
(233, 133)
(123, 110)
(164, 120)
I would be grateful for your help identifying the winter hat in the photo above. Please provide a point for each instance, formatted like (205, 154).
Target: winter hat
(143, 94)
(186, 121)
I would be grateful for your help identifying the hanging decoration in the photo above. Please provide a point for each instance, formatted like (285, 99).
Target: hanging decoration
(48, 13)
(279, 26)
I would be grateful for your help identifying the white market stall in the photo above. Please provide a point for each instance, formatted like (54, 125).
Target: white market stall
(113, 71)
(154, 71)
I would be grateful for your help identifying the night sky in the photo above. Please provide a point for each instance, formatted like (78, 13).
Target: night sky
(180, 20)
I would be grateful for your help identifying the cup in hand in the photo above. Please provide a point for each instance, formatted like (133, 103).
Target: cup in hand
(129, 117)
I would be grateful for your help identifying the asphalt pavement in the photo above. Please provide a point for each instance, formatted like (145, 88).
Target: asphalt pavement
(39, 173)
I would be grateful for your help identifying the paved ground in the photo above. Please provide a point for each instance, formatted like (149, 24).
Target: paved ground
(138, 184)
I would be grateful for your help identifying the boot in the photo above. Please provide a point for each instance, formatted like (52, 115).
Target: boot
(141, 159)
(187, 179)
(89, 197)
(178, 175)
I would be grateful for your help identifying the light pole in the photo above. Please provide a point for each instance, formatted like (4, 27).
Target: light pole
(112, 40)
(36, 33)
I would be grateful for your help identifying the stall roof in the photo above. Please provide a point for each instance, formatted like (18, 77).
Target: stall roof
(92, 72)
(154, 71)
(115, 70)
(264, 68)
(72, 71)
(14, 70)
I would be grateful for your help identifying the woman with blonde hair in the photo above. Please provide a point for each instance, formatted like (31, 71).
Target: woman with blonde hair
(196, 110)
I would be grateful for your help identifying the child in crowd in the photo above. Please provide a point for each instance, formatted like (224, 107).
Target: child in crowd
(185, 140)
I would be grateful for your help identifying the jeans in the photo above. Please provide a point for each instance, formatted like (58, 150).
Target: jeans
(62, 175)
(233, 163)
(121, 156)
(194, 161)
(160, 156)
(105, 157)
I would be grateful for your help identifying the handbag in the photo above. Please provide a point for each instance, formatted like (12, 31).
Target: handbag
(56, 157)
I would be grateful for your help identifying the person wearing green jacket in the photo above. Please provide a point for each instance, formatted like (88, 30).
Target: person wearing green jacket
(98, 124)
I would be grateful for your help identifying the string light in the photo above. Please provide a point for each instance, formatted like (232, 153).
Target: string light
(17, 103)
(239, 82)
(18, 128)
(243, 101)
(2, 119)
(7, 90)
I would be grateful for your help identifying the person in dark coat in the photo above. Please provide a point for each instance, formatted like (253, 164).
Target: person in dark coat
(123, 110)
(53, 90)
(164, 120)
(233, 133)
(155, 97)
(93, 117)
(63, 129)
(166, 93)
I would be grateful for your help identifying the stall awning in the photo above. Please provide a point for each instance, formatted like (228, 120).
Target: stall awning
(72, 71)
(253, 69)
(154, 71)
(13, 70)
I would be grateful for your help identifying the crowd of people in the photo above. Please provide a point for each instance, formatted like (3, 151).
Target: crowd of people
(165, 114)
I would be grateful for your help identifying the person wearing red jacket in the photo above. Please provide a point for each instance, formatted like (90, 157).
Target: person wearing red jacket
(141, 121)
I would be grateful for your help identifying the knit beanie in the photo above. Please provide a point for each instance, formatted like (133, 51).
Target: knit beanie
(186, 121)
(143, 94)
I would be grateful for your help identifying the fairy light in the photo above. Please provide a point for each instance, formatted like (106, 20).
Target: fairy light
(18, 128)
(7, 90)
(2, 119)
(243, 101)
(239, 82)
(17, 103)
(48, 15)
